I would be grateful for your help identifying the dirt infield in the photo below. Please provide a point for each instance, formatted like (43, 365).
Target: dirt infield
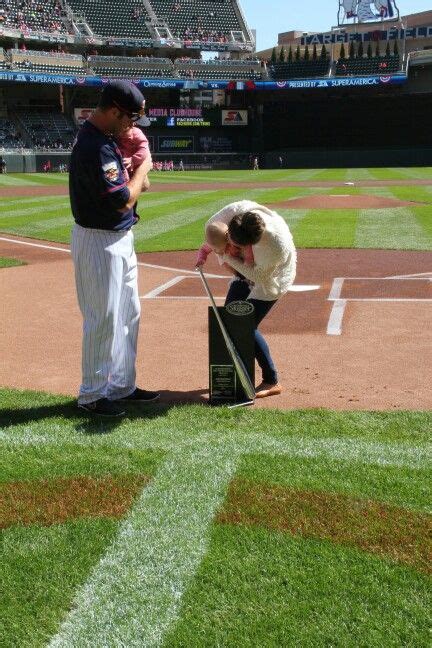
(62, 190)
(381, 359)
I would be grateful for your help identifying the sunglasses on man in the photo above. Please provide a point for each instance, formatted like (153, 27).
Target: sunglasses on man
(133, 116)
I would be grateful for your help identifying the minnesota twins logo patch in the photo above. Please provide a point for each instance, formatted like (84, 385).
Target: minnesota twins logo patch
(111, 171)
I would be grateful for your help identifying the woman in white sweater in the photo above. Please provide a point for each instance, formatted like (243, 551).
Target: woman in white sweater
(264, 281)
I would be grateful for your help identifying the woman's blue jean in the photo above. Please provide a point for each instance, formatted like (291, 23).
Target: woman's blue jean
(239, 290)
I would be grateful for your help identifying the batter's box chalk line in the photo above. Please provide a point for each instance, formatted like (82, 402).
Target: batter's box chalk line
(334, 325)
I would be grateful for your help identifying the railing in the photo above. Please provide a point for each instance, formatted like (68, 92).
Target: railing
(418, 57)
(60, 55)
(134, 60)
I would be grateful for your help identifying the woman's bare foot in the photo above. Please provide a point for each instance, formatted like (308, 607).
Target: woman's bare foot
(267, 389)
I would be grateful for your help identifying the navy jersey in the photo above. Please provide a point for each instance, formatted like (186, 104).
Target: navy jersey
(97, 185)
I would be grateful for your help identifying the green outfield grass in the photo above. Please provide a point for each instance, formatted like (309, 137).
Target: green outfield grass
(174, 220)
(6, 262)
(238, 527)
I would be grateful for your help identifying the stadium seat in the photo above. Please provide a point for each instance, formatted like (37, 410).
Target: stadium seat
(47, 16)
(299, 69)
(111, 18)
(367, 66)
(201, 20)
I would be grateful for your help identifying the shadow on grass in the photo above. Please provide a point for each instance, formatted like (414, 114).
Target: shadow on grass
(90, 424)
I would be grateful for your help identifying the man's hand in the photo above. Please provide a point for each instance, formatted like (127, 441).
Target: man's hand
(136, 183)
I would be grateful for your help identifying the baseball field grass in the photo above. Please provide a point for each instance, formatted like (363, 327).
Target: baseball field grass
(7, 262)
(186, 526)
(173, 220)
(190, 526)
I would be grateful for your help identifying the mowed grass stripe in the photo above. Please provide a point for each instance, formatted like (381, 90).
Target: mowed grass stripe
(41, 569)
(331, 175)
(246, 175)
(39, 209)
(48, 178)
(353, 175)
(411, 193)
(173, 220)
(57, 228)
(54, 501)
(398, 485)
(415, 193)
(43, 179)
(264, 588)
(6, 202)
(327, 228)
(385, 173)
(394, 228)
(14, 181)
(389, 531)
(68, 460)
(178, 230)
(293, 216)
(423, 173)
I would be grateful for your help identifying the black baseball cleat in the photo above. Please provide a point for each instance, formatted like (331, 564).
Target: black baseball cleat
(103, 407)
(141, 396)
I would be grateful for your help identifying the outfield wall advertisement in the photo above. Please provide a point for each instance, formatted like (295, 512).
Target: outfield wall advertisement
(176, 144)
(392, 79)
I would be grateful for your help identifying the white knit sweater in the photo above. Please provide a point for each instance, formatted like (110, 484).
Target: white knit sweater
(275, 255)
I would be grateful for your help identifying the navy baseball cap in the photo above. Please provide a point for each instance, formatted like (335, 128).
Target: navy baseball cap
(127, 97)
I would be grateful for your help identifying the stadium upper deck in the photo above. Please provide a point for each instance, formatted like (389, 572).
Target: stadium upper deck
(151, 23)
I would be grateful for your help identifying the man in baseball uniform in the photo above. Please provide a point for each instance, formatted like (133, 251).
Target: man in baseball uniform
(104, 208)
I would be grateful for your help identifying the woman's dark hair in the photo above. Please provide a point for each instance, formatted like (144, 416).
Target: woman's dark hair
(246, 229)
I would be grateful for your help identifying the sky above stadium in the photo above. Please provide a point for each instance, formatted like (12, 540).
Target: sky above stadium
(271, 17)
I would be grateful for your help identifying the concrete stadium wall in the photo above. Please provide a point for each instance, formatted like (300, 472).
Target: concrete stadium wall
(348, 158)
(32, 162)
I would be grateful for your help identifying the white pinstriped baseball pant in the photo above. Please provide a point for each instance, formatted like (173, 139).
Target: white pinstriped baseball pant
(106, 276)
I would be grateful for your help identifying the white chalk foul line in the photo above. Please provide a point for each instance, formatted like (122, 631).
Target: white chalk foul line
(419, 275)
(140, 263)
(36, 245)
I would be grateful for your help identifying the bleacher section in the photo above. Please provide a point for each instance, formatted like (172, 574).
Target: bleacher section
(47, 62)
(299, 69)
(200, 20)
(218, 69)
(130, 67)
(31, 15)
(365, 66)
(10, 137)
(47, 129)
(112, 18)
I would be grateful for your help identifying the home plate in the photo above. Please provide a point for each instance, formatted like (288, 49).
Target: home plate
(303, 288)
